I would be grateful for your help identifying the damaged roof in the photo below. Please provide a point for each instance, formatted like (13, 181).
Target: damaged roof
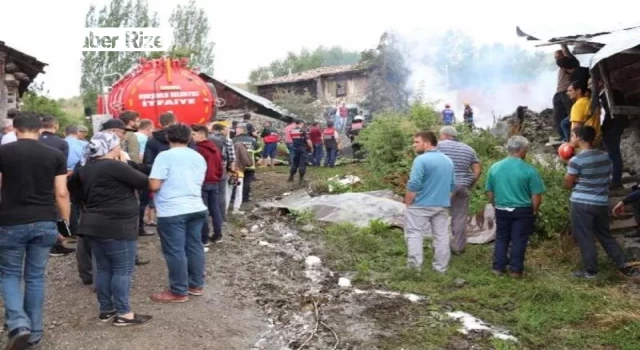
(602, 44)
(253, 97)
(310, 74)
(27, 64)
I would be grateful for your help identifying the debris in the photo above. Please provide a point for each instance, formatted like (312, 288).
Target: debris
(313, 262)
(344, 282)
(315, 307)
(536, 127)
(337, 181)
(470, 323)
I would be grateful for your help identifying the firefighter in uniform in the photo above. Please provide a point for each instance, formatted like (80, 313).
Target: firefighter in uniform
(301, 147)
(330, 138)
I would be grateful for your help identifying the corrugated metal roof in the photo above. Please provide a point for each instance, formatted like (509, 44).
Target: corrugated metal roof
(605, 44)
(310, 74)
(253, 97)
(601, 38)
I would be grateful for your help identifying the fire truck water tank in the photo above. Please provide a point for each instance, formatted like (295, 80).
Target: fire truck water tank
(156, 86)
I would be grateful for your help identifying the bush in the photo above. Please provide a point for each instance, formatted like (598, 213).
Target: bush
(388, 139)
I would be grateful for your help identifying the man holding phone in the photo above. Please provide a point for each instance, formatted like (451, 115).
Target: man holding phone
(34, 183)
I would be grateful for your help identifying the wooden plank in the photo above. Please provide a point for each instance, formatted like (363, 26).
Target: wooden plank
(625, 110)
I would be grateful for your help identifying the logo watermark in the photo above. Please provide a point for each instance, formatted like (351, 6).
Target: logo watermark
(127, 39)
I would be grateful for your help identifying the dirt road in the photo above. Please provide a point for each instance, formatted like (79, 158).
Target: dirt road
(259, 295)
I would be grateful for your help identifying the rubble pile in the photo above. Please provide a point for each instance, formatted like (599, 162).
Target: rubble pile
(536, 127)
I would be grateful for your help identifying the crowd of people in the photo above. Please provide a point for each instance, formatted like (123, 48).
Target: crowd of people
(445, 172)
(113, 188)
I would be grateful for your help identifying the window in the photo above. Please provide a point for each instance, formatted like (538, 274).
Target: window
(341, 88)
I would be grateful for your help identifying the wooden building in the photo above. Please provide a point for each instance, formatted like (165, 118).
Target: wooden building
(330, 85)
(17, 72)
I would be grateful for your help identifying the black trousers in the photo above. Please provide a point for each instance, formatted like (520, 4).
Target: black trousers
(561, 109)
(590, 222)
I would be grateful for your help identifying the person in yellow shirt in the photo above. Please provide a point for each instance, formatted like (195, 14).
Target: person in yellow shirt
(581, 110)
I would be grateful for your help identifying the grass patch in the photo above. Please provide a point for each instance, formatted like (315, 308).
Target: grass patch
(546, 310)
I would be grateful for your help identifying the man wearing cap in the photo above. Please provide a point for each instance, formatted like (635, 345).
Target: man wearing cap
(83, 132)
(129, 141)
(467, 172)
(117, 127)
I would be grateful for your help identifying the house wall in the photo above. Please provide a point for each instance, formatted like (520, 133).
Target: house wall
(356, 88)
(268, 91)
(233, 101)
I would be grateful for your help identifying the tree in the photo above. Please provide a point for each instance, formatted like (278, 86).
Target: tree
(303, 61)
(96, 65)
(36, 99)
(303, 106)
(387, 87)
(191, 36)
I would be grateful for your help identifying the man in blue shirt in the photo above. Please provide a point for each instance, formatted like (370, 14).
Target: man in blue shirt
(177, 177)
(428, 200)
(76, 146)
(448, 116)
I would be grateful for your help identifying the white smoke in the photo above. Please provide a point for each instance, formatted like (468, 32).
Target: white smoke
(500, 100)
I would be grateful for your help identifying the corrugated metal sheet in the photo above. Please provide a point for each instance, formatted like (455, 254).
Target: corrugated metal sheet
(252, 97)
(309, 75)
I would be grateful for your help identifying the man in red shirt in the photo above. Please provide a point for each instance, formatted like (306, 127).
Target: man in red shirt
(315, 134)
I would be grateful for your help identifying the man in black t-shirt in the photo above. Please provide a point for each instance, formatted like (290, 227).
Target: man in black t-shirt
(49, 127)
(34, 184)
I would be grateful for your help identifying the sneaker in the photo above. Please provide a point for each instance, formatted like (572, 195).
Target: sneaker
(206, 249)
(497, 272)
(196, 292)
(135, 321)
(145, 233)
(60, 250)
(584, 274)
(169, 297)
(107, 316)
(206, 245)
(32, 345)
(516, 275)
(217, 240)
(18, 339)
(238, 212)
(140, 262)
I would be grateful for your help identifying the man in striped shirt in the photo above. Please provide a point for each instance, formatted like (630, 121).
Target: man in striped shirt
(467, 168)
(588, 177)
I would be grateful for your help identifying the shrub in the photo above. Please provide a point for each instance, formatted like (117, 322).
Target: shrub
(388, 139)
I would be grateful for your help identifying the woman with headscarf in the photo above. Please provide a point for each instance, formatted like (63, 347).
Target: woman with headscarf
(106, 186)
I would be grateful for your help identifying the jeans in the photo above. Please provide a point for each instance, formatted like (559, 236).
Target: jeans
(249, 175)
(210, 198)
(291, 150)
(24, 253)
(588, 221)
(115, 262)
(561, 110)
(270, 150)
(299, 162)
(316, 158)
(181, 240)
(330, 159)
(144, 202)
(337, 122)
(565, 125)
(612, 143)
(512, 227)
(86, 261)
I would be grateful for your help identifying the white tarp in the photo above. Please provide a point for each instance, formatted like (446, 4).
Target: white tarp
(360, 209)
(617, 42)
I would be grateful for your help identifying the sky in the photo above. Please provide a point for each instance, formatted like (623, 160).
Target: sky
(253, 33)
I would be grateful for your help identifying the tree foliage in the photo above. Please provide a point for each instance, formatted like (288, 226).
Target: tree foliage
(388, 76)
(191, 36)
(96, 65)
(37, 99)
(303, 106)
(303, 61)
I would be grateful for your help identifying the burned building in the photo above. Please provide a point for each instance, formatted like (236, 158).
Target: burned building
(17, 72)
(330, 85)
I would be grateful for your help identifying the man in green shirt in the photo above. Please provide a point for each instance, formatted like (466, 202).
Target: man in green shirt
(515, 189)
